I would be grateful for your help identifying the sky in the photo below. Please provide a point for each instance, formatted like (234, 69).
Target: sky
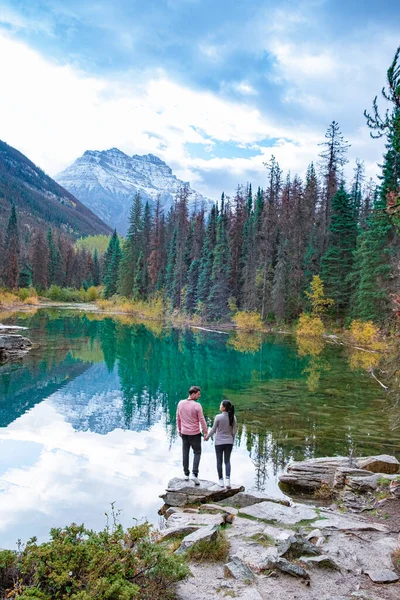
(214, 88)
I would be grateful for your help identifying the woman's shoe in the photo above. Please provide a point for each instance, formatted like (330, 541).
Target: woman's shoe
(228, 483)
(221, 483)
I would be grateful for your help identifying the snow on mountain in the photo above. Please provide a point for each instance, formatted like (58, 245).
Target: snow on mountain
(107, 181)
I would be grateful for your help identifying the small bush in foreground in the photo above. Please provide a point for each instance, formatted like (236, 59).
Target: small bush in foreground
(80, 564)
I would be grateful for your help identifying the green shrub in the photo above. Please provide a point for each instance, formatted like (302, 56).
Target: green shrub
(80, 564)
(25, 293)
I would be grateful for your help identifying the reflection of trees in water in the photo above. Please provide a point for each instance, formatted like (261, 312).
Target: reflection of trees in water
(246, 342)
(312, 347)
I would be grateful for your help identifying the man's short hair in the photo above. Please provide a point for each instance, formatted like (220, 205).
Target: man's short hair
(194, 389)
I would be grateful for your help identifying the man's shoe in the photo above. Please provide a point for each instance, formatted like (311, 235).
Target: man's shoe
(228, 483)
(221, 483)
(196, 480)
(186, 477)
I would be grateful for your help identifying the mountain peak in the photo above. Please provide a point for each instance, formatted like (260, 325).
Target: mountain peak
(108, 180)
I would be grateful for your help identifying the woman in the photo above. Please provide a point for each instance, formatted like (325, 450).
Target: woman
(225, 429)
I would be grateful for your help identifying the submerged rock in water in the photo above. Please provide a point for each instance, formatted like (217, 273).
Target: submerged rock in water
(181, 492)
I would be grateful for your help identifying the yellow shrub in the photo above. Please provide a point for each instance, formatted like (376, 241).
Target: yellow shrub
(309, 326)
(248, 321)
(105, 304)
(32, 300)
(245, 342)
(7, 298)
(365, 333)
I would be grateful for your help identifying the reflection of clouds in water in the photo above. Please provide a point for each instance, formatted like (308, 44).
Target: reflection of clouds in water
(78, 474)
(94, 401)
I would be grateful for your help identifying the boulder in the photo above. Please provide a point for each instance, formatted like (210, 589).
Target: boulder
(238, 569)
(382, 576)
(243, 499)
(182, 519)
(203, 534)
(295, 546)
(177, 532)
(181, 492)
(216, 508)
(171, 511)
(342, 474)
(310, 474)
(384, 463)
(283, 565)
(323, 562)
(339, 522)
(289, 515)
(13, 345)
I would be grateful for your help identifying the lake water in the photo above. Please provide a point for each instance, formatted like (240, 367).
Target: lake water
(87, 418)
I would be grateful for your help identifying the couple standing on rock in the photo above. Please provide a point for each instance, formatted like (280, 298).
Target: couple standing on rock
(190, 419)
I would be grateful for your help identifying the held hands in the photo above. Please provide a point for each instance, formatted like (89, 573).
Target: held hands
(206, 437)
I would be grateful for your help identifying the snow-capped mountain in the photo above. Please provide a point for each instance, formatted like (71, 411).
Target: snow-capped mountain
(107, 182)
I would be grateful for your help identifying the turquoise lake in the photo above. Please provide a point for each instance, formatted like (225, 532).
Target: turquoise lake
(87, 418)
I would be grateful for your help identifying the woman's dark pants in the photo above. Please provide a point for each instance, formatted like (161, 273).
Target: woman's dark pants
(194, 442)
(224, 451)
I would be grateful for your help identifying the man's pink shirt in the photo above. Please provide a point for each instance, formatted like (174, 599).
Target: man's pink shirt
(189, 417)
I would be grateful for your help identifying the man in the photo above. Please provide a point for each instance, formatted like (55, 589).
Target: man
(189, 419)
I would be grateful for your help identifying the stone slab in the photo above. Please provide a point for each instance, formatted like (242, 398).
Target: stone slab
(203, 534)
(383, 463)
(180, 492)
(289, 515)
(199, 519)
(238, 569)
(345, 523)
(382, 576)
(243, 499)
(322, 562)
(177, 532)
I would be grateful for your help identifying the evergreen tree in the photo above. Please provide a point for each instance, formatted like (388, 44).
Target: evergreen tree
(338, 259)
(281, 281)
(157, 258)
(333, 159)
(207, 257)
(55, 267)
(25, 276)
(236, 234)
(96, 269)
(132, 247)
(112, 265)
(12, 251)
(217, 305)
(40, 261)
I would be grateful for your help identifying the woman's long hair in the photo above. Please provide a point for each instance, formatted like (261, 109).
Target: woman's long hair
(230, 409)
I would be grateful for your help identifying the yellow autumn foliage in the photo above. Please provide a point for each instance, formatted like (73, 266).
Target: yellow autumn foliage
(248, 320)
(309, 326)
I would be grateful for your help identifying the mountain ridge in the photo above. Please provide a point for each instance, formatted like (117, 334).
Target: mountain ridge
(107, 181)
(40, 200)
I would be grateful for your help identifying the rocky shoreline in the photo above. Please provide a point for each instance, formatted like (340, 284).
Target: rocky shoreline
(12, 345)
(282, 549)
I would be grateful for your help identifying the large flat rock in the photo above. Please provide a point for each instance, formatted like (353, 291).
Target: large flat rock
(339, 522)
(203, 534)
(271, 512)
(201, 520)
(243, 499)
(180, 492)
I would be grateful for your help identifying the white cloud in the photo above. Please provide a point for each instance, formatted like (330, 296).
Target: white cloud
(53, 113)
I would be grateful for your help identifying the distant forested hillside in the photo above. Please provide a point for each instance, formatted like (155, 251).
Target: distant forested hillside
(39, 200)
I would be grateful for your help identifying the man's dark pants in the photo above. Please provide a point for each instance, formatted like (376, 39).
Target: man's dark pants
(194, 442)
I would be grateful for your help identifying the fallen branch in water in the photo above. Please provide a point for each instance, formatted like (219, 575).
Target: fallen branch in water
(385, 387)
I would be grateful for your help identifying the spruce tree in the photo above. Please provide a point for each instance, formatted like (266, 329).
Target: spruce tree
(25, 276)
(112, 264)
(55, 266)
(132, 247)
(12, 251)
(280, 283)
(96, 268)
(338, 259)
(207, 257)
(217, 303)
(333, 158)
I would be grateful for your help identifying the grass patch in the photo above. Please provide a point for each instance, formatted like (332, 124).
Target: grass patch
(262, 538)
(396, 558)
(383, 481)
(215, 551)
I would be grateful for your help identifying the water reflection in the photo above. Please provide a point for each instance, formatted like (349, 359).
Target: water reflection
(88, 417)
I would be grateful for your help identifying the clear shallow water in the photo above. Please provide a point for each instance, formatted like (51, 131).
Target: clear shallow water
(88, 417)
